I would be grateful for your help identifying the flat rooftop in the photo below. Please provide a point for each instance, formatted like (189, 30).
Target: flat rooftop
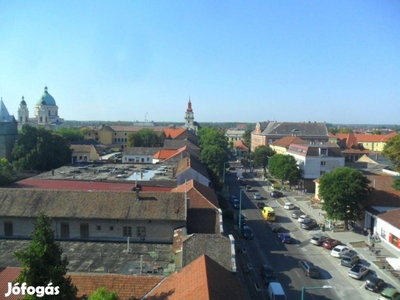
(96, 257)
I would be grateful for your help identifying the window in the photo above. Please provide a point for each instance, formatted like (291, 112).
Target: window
(324, 152)
(127, 231)
(323, 163)
(322, 173)
(8, 228)
(98, 227)
(141, 232)
(383, 233)
(111, 228)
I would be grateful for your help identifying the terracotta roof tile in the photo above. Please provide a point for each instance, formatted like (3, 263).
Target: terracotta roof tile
(174, 132)
(287, 140)
(126, 286)
(202, 279)
(165, 154)
(392, 217)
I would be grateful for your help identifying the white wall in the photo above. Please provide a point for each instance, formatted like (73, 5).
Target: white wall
(384, 229)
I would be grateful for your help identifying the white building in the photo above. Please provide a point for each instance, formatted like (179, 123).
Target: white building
(45, 112)
(315, 160)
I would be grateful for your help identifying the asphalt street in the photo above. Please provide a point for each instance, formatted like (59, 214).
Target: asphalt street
(266, 248)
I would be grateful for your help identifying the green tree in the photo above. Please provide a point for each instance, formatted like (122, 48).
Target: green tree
(392, 151)
(6, 172)
(71, 134)
(214, 152)
(145, 138)
(40, 149)
(345, 130)
(42, 263)
(261, 156)
(247, 135)
(396, 184)
(103, 294)
(343, 192)
(285, 168)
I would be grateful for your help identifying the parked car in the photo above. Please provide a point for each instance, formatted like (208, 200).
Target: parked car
(358, 271)
(232, 198)
(276, 194)
(389, 294)
(296, 214)
(236, 203)
(309, 224)
(289, 205)
(247, 232)
(285, 238)
(303, 217)
(330, 243)
(309, 269)
(248, 188)
(375, 284)
(256, 196)
(276, 228)
(338, 251)
(268, 274)
(261, 205)
(349, 259)
(318, 239)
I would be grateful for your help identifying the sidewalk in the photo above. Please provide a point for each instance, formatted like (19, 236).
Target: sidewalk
(355, 240)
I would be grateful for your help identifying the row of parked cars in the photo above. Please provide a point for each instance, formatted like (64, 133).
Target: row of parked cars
(349, 258)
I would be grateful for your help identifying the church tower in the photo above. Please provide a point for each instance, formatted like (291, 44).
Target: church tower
(23, 113)
(189, 117)
(8, 132)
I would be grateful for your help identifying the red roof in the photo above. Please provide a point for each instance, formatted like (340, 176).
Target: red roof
(164, 154)
(82, 185)
(126, 286)
(174, 132)
(241, 145)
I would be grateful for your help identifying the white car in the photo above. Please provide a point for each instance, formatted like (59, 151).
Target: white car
(289, 205)
(303, 217)
(338, 251)
(256, 196)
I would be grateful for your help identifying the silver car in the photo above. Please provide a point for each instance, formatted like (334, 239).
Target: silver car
(358, 271)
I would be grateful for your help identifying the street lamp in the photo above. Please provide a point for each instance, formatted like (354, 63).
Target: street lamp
(269, 157)
(240, 214)
(223, 178)
(304, 288)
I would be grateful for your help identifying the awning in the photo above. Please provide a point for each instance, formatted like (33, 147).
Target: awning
(394, 262)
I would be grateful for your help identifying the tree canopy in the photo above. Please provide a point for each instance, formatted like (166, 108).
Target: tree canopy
(343, 190)
(214, 153)
(392, 151)
(261, 156)
(42, 262)
(103, 294)
(72, 134)
(40, 149)
(284, 168)
(6, 172)
(396, 184)
(146, 138)
(247, 135)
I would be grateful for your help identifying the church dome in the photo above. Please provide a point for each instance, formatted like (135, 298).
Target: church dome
(46, 99)
(23, 101)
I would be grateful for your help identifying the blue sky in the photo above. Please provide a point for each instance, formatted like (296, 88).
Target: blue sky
(245, 61)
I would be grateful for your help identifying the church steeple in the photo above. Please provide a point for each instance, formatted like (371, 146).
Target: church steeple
(189, 117)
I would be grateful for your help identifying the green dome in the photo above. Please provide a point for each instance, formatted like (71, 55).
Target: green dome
(46, 99)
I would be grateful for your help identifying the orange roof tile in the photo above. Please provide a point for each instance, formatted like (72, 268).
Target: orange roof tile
(164, 154)
(287, 141)
(200, 196)
(202, 279)
(174, 132)
(241, 145)
(374, 138)
(126, 286)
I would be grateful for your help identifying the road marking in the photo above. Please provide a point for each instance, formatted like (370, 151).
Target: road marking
(297, 273)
